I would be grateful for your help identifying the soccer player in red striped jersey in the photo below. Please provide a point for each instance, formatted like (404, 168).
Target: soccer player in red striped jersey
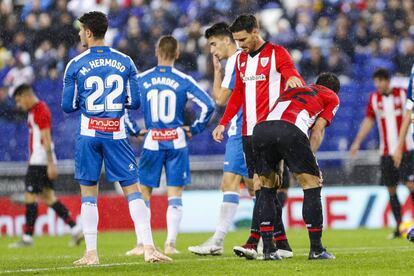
(386, 106)
(263, 71)
(42, 169)
(284, 135)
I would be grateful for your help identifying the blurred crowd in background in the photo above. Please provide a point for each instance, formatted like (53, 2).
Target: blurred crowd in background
(350, 38)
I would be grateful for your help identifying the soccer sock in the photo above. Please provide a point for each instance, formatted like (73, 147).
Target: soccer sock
(282, 197)
(90, 218)
(313, 217)
(63, 213)
(254, 229)
(174, 215)
(227, 212)
(141, 218)
(396, 209)
(147, 203)
(267, 209)
(31, 216)
(412, 196)
(280, 233)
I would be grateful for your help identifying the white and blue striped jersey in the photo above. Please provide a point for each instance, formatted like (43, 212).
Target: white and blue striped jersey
(101, 82)
(228, 82)
(164, 94)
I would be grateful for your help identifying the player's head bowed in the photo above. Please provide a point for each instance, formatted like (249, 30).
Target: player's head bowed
(246, 33)
(330, 81)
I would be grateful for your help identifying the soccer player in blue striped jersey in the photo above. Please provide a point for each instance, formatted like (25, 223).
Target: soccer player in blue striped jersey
(101, 82)
(164, 94)
(222, 46)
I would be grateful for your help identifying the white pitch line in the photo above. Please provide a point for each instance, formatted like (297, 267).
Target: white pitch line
(358, 250)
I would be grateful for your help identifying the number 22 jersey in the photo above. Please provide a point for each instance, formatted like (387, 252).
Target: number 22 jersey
(101, 82)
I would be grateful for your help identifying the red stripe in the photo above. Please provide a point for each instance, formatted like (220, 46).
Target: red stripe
(266, 228)
(262, 87)
(243, 59)
(280, 238)
(314, 229)
(399, 118)
(383, 125)
(254, 235)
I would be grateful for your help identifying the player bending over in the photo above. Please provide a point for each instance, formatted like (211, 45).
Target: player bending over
(101, 82)
(42, 166)
(164, 94)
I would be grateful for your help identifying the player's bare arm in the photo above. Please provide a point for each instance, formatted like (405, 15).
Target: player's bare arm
(397, 157)
(47, 144)
(317, 134)
(364, 129)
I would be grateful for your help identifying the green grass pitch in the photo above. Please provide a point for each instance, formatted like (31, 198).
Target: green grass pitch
(358, 252)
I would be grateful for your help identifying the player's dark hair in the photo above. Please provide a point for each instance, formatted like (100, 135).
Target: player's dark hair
(21, 89)
(96, 22)
(330, 81)
(382, 74)
(167, 47)
(219, 29)
(245, 22)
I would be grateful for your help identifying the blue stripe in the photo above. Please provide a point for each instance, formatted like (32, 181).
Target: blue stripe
(133, 196)
(231, 198)
(88, 199)
(175, 201)
(147, 203)
(233, 79)
(254, 200)
(367, 211)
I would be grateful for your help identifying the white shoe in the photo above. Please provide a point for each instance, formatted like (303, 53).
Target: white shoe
(285, 254)
(151, 255)
(136, 251)
(169, 248)
(90, 258)
(210, 247)
(77, 236)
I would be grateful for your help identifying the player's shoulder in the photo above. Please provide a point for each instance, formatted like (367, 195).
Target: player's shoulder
(147, 73)
(41, 108)
(397, 91)
(182, 76)
(73, 62)
(119, 54)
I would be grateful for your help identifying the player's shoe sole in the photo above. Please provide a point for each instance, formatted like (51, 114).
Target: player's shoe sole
(206, 250)
(248, 253)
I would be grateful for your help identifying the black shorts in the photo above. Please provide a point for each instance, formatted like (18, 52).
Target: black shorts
(285, 177)
(277, 140)
(36, 179)
(248, 154)
(390, 175)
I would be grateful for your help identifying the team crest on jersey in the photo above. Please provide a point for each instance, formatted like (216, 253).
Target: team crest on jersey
(264, 61)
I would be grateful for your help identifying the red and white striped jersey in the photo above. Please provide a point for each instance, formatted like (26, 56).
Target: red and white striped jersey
(260, 78)
(39, 118)
(303, 105)
(388, 111)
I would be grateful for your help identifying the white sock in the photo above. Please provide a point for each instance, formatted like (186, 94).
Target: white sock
(140, 216)
(89, 219)
(174, 215)
(227, 212)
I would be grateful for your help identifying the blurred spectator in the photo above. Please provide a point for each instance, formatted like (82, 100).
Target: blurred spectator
(338, 63)
(313, 65)
(8, 110)
(322, 35)
(405, 60)
(20, 73)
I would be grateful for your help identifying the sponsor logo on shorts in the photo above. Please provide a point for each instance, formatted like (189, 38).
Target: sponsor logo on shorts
(164, 134)
(104, 124)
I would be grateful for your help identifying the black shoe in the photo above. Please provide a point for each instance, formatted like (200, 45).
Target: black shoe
(272, 256)
(321, 255)
(394, 235)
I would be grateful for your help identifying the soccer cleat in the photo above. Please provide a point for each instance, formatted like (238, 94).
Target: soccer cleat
(271, 256)
(90, 258)
(248, 251)
(283, 249)
(285, 254)
(77, 236)
(136, 251)
(210, 247)
(153, 256)
(324, 255)
(20, 244)
(394, 235)
(169, 248)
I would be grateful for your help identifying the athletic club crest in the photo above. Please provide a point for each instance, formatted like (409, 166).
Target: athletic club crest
(264, 61)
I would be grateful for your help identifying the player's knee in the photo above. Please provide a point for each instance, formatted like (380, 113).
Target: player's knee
(392, 190)
(30, 198)
(410, 186)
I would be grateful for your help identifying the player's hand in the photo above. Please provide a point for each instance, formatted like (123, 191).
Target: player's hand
(293, 82)
(142, 132)
(187, 131)
(52, 172)
(217, 64)
(354, 150)
(218, 133)
(397, 157)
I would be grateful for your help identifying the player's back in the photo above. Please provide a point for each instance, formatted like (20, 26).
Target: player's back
(164, 92)
(105, 83)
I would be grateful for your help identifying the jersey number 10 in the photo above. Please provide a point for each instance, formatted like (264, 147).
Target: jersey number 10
(162, 105)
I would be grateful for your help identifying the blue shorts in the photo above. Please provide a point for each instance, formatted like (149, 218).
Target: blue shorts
(117, 155)
(234, 161)
(176, 162)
